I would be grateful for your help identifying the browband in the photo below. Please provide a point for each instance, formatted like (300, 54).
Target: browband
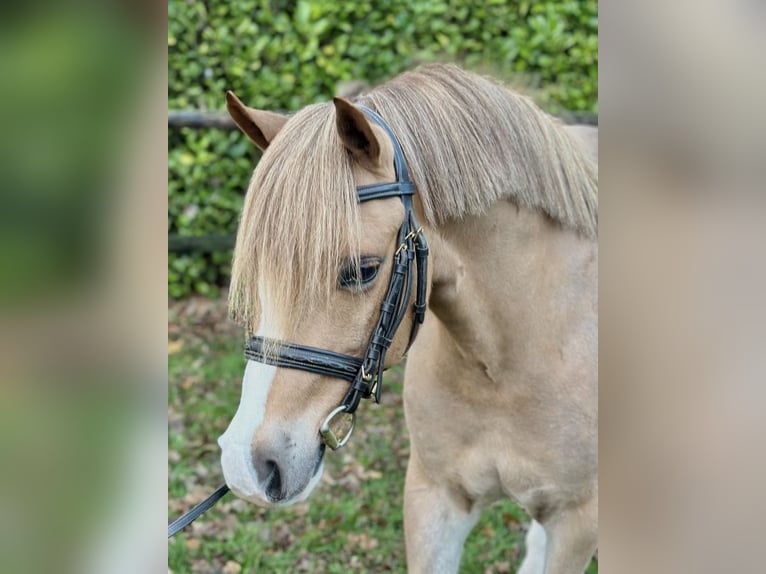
(382, 190)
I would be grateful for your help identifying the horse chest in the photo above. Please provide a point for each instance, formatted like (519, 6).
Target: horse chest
(473, 447)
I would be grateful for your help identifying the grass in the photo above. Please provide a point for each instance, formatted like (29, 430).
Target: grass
(351, 523)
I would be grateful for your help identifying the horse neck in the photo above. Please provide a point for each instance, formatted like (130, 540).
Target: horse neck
(509, 284)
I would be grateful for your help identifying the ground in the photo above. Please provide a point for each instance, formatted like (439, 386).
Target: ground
(353, 520)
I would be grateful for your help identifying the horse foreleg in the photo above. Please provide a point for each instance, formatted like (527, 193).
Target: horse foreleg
(571, 539)
(534, 558)
(436, 524)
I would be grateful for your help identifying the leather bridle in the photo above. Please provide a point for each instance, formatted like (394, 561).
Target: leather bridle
(365, 374)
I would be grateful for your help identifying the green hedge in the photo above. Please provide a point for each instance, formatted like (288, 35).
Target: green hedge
(283, 54)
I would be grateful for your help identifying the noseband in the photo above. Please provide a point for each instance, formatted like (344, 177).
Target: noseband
(365, 374)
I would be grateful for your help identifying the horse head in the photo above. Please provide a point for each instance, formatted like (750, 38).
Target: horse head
(315, 265)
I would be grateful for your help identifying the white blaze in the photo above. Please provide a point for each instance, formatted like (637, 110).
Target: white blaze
(236, 442)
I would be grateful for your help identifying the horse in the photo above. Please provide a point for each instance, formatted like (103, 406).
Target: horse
(501, 381)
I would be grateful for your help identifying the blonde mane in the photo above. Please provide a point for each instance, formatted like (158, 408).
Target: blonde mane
(469, 142)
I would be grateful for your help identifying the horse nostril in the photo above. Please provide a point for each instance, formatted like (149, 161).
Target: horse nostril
(274, 486)
(270, 476)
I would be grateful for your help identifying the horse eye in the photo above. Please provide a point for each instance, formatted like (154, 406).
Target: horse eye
(359, 278)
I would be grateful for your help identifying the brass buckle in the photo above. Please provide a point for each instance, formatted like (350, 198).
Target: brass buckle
(369, 378)
(411, 235)
(328, 435)
(414, 234)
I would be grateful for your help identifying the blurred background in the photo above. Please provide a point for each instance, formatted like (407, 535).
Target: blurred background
(283, 56)
(82, 286)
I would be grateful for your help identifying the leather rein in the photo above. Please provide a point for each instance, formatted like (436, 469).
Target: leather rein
(410, 258)
(363, 374)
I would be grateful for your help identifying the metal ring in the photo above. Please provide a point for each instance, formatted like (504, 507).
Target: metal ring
(328, 436)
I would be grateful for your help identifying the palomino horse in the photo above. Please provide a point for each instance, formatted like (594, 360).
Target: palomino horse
(500, 389)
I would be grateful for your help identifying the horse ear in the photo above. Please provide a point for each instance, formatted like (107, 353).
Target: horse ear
(355, 132)
(259, 125)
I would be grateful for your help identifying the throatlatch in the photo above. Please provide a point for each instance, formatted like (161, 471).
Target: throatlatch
(365, 375)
